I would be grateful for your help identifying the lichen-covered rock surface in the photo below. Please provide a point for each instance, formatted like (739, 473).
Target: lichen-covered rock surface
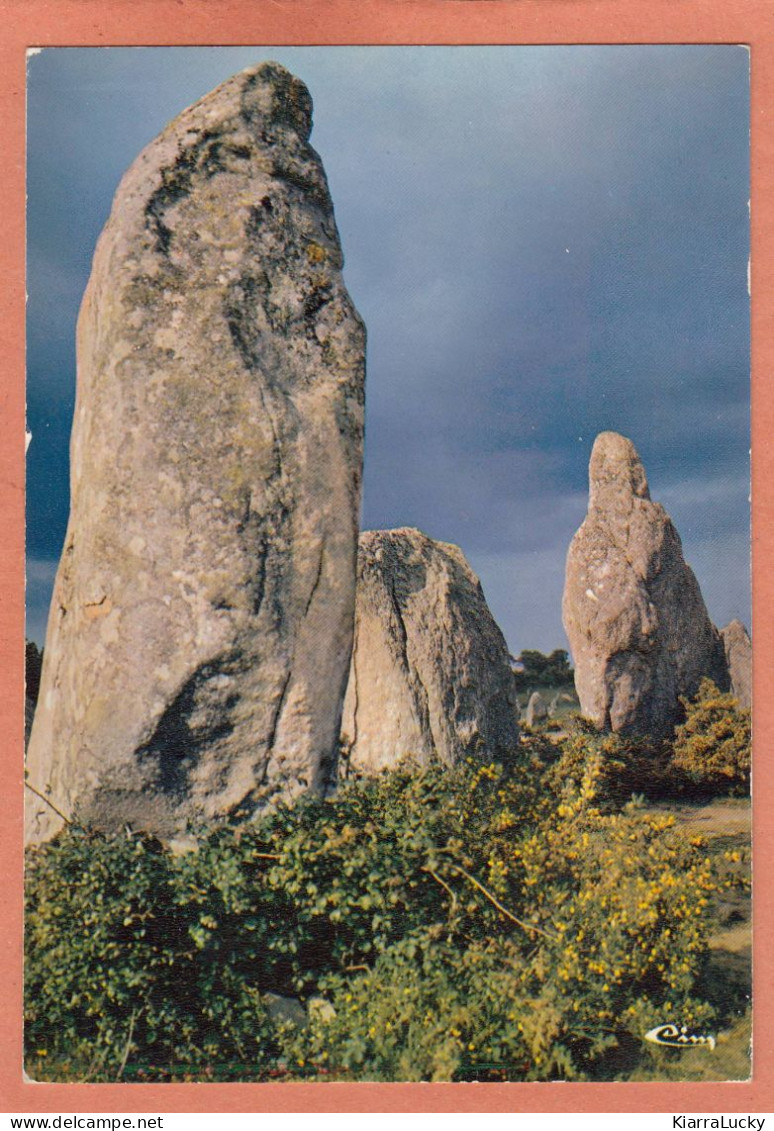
(738, 648)
(632, 609)
(430, 671)
(200, 633)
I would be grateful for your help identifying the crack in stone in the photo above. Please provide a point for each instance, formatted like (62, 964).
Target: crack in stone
(317, 579)
(275, 725)
(418, 689)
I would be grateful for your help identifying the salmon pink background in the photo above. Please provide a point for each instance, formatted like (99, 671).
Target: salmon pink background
(52, 23)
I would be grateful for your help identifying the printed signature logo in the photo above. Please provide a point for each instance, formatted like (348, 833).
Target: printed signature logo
(678, 1037)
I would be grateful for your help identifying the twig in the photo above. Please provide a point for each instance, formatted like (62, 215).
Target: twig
(267, 855)
(348, 969)
(444, 885)
(503, 910)
(95, 1065)
(125, 1057)
(50, 804)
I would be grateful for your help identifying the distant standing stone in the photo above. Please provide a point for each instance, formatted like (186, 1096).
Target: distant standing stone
(738, 648)
(537, 711)
(430, 674)
(200, 633)
(633, 612)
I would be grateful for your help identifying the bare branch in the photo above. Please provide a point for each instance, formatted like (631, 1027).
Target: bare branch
(503, 910)
(50, 804)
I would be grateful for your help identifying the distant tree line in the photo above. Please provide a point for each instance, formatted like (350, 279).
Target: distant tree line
(535, 668)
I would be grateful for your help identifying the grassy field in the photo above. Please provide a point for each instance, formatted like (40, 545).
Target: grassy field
(563, 701)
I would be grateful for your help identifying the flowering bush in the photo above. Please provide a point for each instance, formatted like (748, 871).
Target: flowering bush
(625, 764)
(712, 747)
(591, 930)
(437, 924)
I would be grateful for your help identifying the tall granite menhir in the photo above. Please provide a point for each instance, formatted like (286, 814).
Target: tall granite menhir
(633, 612)
(200, 634)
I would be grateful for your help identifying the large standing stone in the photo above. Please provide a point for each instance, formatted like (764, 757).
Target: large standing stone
(633, 612)
(430, 669)
(738, 648)
(537, 709)
(200, 634)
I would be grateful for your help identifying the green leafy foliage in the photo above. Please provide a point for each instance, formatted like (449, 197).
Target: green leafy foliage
(597, 933)
(551, 670)
(465, 923)
(626, 765)
(118, 963)
(33, 663)
(712, 748)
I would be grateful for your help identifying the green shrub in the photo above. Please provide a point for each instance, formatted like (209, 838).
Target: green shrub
(626, 765)
(33, 663)
(119, 977)
(576, 935)
(447, 924)
(712, 747)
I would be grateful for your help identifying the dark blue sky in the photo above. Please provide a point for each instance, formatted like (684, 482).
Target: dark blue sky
(544, 242)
